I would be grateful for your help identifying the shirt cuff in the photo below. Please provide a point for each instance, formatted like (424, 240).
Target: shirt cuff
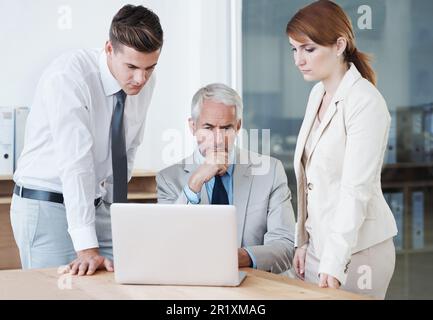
(334, 269)
(193, 198)
(84, 238)
(253, 258)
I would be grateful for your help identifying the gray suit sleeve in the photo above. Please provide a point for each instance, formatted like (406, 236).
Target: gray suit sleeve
(276, 253)
(167, 194)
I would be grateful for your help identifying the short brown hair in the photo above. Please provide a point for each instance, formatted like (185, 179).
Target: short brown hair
(136, 27)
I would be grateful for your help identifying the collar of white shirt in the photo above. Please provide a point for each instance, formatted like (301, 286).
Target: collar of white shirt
(110, 84)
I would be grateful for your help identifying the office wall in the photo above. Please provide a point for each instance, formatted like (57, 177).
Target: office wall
(198, 50)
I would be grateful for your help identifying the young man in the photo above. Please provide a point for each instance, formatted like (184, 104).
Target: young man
(83, 130)
(220, 173)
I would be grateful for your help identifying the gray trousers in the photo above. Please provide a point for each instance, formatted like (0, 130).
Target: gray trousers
(41, 232)
(369, 272)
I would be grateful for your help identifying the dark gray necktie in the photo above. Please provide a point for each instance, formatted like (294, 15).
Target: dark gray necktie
(118, 151)
(219, 193)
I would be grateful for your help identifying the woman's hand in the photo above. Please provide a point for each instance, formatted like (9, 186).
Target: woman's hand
(299, 261)
(327, 281)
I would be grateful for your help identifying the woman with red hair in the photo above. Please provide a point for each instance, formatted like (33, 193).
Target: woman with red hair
(344, 228)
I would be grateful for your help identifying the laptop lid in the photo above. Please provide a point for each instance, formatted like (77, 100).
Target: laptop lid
(175, 244)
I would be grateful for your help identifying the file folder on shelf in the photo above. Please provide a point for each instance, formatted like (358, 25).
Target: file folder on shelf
(21, 114)
(7, 122)
(391, 152)
(418, 220)
(395, 202)
(428, 133)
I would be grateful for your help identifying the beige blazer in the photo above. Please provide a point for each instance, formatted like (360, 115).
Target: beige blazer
(265, 217)
(342, 180)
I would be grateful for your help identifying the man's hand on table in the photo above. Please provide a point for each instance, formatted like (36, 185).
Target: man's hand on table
(88, 261)
(244, 259)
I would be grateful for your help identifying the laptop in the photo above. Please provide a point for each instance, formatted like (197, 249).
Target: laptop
(162, 244)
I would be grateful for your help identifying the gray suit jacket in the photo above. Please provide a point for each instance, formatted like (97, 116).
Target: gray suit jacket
(265, 218)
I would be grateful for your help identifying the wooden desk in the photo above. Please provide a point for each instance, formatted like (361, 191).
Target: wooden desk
(44, 284)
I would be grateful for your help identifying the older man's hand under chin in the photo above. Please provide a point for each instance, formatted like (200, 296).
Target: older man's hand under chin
(216, 164)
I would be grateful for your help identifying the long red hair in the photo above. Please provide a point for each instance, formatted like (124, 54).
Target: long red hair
(324, 22)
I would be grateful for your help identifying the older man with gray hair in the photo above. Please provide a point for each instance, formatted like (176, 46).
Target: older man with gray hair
(220, 173)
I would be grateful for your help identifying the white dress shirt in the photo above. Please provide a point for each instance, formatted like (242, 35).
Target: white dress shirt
(68, 136)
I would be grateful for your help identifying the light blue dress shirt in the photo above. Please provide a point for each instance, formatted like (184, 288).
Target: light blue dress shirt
(227, 180)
